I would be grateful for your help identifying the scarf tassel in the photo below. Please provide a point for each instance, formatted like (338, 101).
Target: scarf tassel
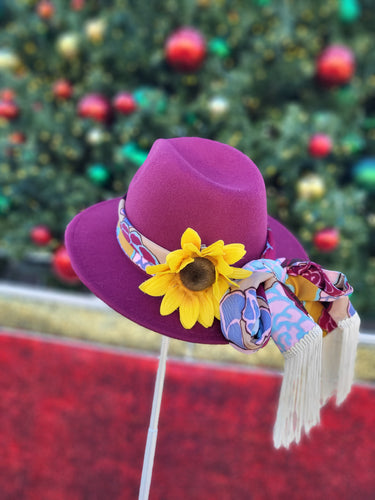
(299, 402)
(315, 369)
(338, 359)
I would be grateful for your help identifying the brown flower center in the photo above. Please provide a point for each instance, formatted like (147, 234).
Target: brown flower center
(198, 275)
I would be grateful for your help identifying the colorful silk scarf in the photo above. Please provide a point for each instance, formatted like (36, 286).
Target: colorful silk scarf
(307, 313)
(303, 308)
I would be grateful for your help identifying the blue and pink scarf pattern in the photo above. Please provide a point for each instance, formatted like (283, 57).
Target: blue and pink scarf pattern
(268, 305)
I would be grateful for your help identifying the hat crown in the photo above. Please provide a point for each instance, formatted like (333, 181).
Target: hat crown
(203, 184)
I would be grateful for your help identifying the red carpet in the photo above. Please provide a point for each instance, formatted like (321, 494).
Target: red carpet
(74, 420)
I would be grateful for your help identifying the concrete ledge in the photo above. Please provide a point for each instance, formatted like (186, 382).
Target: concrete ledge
(84, 317)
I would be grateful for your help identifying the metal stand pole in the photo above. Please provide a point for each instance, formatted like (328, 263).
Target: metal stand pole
(148, 460)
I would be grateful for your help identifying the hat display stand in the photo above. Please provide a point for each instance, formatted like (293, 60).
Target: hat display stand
(152, 434)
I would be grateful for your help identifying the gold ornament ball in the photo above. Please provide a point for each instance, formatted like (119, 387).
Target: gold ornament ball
(95, 136)
(8, 60)
(311, 187)
(68, 45)
(218, 105)
(203, 3)
(95, 29)
(371, 220)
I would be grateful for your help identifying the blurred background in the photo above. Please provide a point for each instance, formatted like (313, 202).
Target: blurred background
(87, 86)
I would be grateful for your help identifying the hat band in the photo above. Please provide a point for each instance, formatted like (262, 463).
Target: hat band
(140, 250)
(144, 252)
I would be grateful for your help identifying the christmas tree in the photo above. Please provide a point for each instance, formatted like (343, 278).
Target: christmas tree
(86, 87)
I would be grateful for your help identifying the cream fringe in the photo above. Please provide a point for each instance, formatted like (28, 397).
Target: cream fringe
(339, 353)
(332, 345)
(299, 402)
(315, 369)
(350, 335)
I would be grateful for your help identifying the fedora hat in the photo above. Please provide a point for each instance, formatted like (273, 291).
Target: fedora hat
(190, 252)
(186, 182)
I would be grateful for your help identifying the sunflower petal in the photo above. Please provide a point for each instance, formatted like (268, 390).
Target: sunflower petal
(157, 285)
(175, 259)
(191, 236)
(189, 310)
(214, 250)
(185, 262)
(206, 310)
(222, 267)
(190, 250)
(220, 287)
(234, 252)
(239, 274)
(158, 268)
(216, 305)
(171, 300)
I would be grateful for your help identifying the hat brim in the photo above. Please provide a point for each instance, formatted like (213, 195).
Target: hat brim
(102, 266)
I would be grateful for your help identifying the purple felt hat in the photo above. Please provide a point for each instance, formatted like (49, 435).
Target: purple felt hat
(186, 182)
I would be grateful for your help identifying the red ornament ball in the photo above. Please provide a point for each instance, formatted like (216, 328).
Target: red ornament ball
(185, 49)
(320, 145)
(77, 4)
(40, 235)
(327, 240)
(17, 138)
(62, 89)
(62, 266)
(45, 9)
(94, 106)
(335, 65)
(8, 110)
(125, 103)
(7, 94)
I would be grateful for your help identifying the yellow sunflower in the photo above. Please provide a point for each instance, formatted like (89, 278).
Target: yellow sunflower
(195, 278)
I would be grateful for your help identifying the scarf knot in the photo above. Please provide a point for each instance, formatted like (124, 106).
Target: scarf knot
(284, 300)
